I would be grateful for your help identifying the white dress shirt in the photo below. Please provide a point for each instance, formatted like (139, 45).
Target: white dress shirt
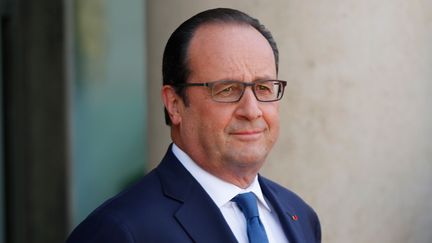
(222, 192)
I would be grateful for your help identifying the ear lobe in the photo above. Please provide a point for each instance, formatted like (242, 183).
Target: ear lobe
(172, 103)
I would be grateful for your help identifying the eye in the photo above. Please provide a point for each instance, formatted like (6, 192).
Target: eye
(223, 91)
(264, 88)
(226, 89)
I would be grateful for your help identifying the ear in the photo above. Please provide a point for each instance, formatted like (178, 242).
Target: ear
(173, 103)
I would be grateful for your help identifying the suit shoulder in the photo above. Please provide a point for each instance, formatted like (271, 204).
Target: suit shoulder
(118, 217)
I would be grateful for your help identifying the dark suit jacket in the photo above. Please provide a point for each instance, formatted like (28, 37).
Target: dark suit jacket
(169, 205)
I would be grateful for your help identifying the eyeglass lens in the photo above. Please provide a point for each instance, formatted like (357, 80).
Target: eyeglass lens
(232, 91)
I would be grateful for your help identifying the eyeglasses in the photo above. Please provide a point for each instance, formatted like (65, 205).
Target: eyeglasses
(232, 91)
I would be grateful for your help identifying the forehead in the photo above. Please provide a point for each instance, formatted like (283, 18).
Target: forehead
(229, 48)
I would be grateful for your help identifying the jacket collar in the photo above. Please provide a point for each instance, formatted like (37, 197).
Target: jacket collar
(197, 214)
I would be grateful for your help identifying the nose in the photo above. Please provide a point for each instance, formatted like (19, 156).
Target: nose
(248, 106)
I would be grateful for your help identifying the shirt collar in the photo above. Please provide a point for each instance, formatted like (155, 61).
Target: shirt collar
(219, 190)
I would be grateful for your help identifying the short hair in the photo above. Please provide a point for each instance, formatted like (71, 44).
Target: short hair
(175, 69)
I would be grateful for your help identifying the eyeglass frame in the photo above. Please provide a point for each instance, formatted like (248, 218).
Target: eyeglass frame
(244, 85)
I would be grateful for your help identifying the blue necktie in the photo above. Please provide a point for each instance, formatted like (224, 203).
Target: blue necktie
(248, 205)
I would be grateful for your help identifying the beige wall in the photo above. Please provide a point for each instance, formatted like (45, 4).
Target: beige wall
(356, 140)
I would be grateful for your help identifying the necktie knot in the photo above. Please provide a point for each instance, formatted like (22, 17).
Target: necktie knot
(248, 205)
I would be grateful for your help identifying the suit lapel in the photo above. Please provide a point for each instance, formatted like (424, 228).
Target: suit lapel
(286, 214)
(197, 214)
(203, 220)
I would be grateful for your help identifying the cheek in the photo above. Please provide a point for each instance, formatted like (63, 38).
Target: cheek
(271, 116)
(216, 119)
(273, 123)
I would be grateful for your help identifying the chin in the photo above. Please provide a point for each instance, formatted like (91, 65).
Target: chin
(247, 159)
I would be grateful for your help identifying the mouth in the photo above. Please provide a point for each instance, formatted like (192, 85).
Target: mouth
(248, 135)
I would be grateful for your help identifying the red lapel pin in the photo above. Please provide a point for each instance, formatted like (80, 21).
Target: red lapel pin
(294, 217)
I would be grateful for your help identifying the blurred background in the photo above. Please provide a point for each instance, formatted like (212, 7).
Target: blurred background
(81, 117)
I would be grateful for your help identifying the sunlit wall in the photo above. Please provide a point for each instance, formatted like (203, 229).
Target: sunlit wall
(356, 137)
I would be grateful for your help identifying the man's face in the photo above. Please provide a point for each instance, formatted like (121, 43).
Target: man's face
(228, 138)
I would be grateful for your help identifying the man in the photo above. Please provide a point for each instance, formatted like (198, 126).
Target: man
(221, 93)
